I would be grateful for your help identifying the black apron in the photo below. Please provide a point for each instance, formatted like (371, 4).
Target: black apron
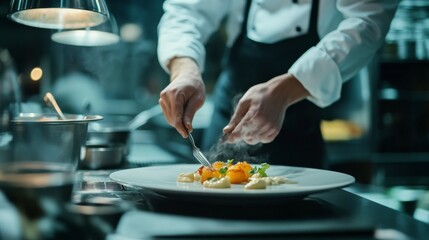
(248, 63)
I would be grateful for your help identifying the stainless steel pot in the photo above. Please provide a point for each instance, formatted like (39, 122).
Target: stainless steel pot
(46, 138)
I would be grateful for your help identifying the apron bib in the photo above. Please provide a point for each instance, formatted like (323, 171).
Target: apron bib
(299, 142)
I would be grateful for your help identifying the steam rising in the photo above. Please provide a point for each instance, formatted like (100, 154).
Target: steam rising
(239, 151)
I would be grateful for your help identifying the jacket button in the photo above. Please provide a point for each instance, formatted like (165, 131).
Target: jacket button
(298, 29)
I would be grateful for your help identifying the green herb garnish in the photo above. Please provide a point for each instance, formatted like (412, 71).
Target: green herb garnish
(223, 170)
(260, 170)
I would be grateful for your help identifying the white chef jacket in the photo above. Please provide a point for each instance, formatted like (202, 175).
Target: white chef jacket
(351, 31)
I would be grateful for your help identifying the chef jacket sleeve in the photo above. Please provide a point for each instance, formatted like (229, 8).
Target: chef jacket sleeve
(341, 53)
(186, 26)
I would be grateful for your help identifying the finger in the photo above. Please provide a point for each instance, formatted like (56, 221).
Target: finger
(177, 114)
(251, 135)
(256, 137)
(166, 111)
(251, 140)
(261, 132)
(264, 133)
(242, 129)
(236, 118)
(191, 108)
(267, 138)
(166, 105)
(169, 117)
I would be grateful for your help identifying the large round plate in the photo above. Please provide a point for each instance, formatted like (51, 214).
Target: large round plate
(162, 180)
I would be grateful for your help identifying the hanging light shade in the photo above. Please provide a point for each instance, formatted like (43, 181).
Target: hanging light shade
(59, 14)
(103, 34)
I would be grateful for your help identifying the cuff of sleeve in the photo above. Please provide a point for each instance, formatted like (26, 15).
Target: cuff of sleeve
(166, 54)
(319, 74)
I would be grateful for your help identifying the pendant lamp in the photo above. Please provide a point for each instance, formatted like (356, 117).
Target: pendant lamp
(59, 14)
(103, 34)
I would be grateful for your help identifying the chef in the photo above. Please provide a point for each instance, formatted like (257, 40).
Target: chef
(288, 59)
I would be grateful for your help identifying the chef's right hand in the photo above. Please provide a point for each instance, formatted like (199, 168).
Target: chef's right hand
(185, 94)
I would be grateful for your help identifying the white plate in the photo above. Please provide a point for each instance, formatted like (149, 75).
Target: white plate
(162, 180)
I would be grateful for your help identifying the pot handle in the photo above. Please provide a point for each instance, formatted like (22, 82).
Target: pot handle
(144, 116)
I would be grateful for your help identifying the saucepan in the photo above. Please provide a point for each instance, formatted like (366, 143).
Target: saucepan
(98, 156)
(118, 132)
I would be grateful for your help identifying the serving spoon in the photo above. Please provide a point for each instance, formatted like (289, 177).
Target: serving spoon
(49, 99)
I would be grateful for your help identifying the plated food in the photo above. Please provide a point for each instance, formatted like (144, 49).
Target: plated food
(224, 174)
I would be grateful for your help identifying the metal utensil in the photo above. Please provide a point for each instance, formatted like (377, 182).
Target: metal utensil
(197, 153)
(117, 131)
(49, 98)
(139, 120)
(144, 116)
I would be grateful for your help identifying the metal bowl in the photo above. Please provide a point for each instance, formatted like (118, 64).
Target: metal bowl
(99, 156)
(42, 137)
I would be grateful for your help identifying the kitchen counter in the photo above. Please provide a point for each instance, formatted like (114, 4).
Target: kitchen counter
(336, 214)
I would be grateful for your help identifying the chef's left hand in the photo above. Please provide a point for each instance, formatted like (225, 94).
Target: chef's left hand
(260, 112)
